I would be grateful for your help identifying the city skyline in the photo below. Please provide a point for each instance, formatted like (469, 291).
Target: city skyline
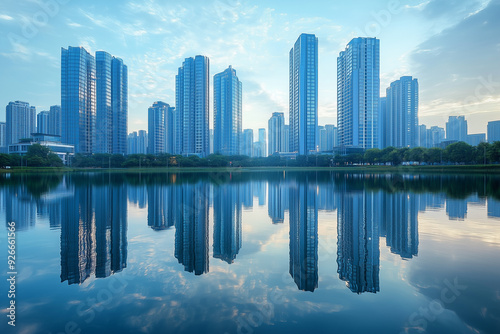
(254, 27)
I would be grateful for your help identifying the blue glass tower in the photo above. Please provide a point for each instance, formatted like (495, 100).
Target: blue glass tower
(358, 93)
(227, 112)
(42, 122)
(160, 128)
(303, 94)
(112, 104)
(20, 121)
(400, 126)
(78, 99)
(192, 100)
(276, 133)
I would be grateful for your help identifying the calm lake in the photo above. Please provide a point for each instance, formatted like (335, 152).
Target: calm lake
(257, 252)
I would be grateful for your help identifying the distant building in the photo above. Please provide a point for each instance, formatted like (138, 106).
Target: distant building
(400, 124)
(42, 122)
(423, 140)
(262, 143)
(247, 142)
(3, 142)
(456, 128)
(358, 93)
(160, 128)
(63, 151)
(276, 133)
(227, 112)
(436, 136)
(303, 94)
(192, 102)
(55, 120)
(493, 131)
(286, 145)
(476, 139)
(327, 138)
(20, 121)
(137, 142)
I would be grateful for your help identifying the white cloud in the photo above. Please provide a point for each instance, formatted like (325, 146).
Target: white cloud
(6, 17)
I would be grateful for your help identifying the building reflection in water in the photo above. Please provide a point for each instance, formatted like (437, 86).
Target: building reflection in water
(399, 223)
(161, 207)
(93, 232)
(227, 206)
(278, 201)
(303, 235)
(191, 226)
(358, 253)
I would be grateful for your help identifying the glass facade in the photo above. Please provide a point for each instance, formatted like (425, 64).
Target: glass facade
(303, 94)
(78, 99)
(358, 93)
(400, 117)
(42, 122)
(276, 133)
(112, 104)
(192, 100)
(227, 112)
(20, 121)
(160, 128)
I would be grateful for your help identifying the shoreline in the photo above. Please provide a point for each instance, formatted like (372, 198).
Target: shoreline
(488, 169)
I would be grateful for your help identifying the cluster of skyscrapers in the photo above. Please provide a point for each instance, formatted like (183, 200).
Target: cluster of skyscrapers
(94, 107)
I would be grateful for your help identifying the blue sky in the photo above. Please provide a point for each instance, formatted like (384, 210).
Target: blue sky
(451, 46)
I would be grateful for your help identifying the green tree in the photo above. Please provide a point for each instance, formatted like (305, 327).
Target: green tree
(460, 152)
(373, 155)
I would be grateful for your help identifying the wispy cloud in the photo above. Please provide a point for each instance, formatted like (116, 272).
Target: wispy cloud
(6, 17)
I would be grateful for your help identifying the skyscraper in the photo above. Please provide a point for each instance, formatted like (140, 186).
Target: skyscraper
(456, 128)
(276, 133)
(160, 128)
(401, 113)
(78, 99)
(55, 120)
(303, 94)
(493, 131)
(3, 135)
(262, 142)
(42, 122)
(358, 92)
(247, 142)
(112, 104)
(327, 137)
(137, 142)
(192, 100)
(227, 112)
(20, 121)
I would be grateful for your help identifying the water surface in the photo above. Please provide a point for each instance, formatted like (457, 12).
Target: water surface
(273, 252)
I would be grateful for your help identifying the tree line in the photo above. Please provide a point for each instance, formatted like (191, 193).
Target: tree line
(456, 153)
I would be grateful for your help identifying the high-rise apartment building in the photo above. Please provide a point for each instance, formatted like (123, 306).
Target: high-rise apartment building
(456, 128)
(227, 112)
(358, 92)
(400, 120)
(493, 131)
(137, 142)
(262, 143)
(42, 122)
(192, 115)
(112, 104)
(78, 99)
(3, 135)
(160, 128)
(276, 133)
(303, 94)
(20, 121)
(55, 120)
(247, 142)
